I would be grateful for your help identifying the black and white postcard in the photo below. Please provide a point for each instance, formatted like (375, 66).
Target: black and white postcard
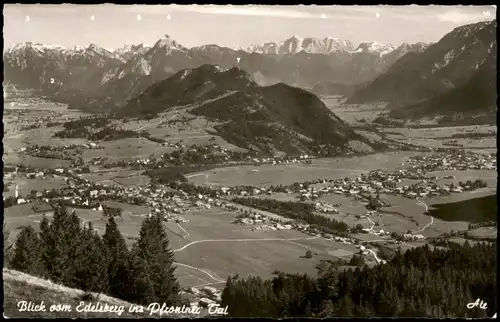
(221, 161)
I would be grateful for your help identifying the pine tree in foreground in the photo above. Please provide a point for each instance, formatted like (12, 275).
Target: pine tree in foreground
(155, 261)
(27, 256)
(60, 241)
(117, 260)
(90, 273)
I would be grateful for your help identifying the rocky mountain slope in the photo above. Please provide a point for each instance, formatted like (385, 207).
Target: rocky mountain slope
(297, 44)
(477, 98)
(442, 74)
(277, 117)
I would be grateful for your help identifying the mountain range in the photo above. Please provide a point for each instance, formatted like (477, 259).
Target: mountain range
(415, 79)
(95, 78)
(456, 74)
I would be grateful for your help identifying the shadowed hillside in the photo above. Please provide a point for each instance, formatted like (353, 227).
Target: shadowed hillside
(277, 117)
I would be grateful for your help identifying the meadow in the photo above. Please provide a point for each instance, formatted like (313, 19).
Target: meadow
(287, 174)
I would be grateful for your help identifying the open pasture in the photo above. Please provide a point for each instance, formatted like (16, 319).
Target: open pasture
(489, 176)
(214, 244)
(121, 176)
(353, 114)
(258, 258)
(437, 137)
(348, 205)
(18, 216)
(242, 208)
(484, 232)
(286, 174)
(280, 196)
(35, 162)
(188, 129)
(25, 185)
(128, 148)
(439, 132)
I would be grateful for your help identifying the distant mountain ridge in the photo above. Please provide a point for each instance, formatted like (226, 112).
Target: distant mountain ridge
(436, 80)
(95, 78)
(297, 44)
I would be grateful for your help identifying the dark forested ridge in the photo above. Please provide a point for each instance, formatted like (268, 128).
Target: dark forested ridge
(419, 283)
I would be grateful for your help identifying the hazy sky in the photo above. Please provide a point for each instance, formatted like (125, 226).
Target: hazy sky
(113, 26)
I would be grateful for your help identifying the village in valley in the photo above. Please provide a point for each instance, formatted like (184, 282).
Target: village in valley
(359, 205)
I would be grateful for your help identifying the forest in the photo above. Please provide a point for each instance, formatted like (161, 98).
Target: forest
(418, 283)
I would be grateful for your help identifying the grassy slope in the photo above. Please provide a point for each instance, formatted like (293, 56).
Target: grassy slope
(23, 287)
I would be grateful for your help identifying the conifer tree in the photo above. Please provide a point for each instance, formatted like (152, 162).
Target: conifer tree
(117, 257)
(156, 260)
(91, 272)
(142, 285)
(27, 257)
(60, 242)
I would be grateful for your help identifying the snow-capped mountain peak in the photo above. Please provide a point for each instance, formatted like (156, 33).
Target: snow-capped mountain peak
(374, 47)
(296, 44)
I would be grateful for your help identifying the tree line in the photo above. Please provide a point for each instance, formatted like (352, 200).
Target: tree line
(69, 253)
(418, 283)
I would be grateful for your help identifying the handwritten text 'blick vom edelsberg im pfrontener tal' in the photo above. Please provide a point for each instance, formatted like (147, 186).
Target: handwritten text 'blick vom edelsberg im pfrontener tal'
(153, 308)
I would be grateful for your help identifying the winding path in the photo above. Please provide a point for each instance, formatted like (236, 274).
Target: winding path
(187, 234)
(203, 271)
(240, 240)
(375, 255)
(373, 224)
(426, 211)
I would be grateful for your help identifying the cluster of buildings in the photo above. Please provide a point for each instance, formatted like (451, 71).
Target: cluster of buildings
(304, 158)
(326, 208)
(211, 155)
(33, 148)
(262, 222)
(456, 160)
(376, 181)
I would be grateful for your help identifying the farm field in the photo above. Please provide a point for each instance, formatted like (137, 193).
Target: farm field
(484, 232)
(437, 137)
(247, 256)
(286, 174)
(211, 243)
(412, 217)
(489, 176)
(25, 186)
(35, 162)
(122, 176)
(439, 132)
(128, 148)
(188, 130)
(353, 114)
